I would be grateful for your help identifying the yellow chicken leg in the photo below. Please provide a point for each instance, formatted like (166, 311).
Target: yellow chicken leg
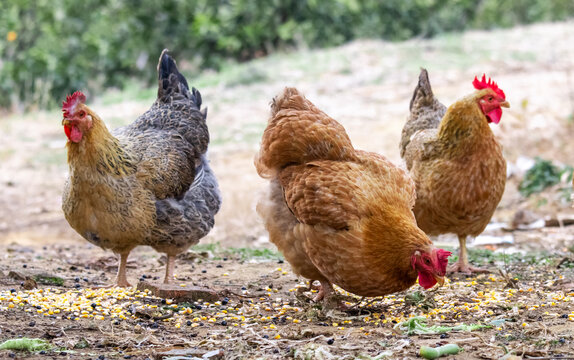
(169, 269)
(121, 279)
(462, 264)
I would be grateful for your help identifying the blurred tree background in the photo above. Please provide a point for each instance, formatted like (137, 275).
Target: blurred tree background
(49, 48)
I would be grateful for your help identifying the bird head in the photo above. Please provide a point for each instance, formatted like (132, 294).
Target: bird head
(77, 117)
(430, 266)
(491, 98)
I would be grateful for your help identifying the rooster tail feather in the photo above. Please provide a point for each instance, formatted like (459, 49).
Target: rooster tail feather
(166, 67)
(423, 91)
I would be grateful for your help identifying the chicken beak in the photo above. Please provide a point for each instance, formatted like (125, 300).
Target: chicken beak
(65, 122)
(439, 279)
(505, 104)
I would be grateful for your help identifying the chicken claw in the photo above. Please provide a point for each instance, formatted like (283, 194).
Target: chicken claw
(465, 268)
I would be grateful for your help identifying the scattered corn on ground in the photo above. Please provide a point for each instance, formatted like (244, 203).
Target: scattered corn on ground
(269, 313)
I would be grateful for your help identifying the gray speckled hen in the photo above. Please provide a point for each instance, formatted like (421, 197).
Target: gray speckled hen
(148, 183)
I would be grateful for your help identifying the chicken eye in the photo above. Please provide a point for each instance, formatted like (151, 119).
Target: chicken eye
(427, 261)
(82, 113)
(490, 98)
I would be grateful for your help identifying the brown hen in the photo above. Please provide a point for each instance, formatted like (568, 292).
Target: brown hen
(339, 215)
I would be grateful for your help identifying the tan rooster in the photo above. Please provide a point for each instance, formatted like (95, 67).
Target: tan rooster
(455, 161)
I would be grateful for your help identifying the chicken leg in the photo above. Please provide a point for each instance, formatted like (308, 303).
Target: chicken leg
(121, 279)
(329, 297)
(169, 269)
(462, 264)
(325, 291)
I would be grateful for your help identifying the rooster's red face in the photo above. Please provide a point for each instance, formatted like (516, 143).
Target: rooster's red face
(491, 105)
(431, 267)
(493, 101)
(76, 120)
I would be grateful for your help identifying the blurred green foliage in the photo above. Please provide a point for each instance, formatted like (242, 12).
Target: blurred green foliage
(542, 175)
(49, 48)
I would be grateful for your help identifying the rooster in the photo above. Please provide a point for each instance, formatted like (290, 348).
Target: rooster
(340, 215)
(455, 161)
(148, 183)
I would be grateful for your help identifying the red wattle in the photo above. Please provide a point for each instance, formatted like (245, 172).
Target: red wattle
(75, 134)
(426, 280)
(495, 115)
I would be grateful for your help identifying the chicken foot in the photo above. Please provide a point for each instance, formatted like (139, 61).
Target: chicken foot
(325, 291)
(462, 265)
(329, 297)
(121, 278)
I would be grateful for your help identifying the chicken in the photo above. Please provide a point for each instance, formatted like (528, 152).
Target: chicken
(148, 183)
(339, 215)
(455, 161)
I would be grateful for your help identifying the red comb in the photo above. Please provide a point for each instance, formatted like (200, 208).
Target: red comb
(442, 256)
(71, 102)
(483, 84)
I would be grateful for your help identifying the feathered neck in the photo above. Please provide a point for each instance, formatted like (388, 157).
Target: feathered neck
(100, 149)
(464, 122)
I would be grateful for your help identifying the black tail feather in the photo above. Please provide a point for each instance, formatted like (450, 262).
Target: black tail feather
(171, 81)
(167, 66)
(196, 97)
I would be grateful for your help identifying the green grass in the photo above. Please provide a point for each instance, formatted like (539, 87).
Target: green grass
(219, 252)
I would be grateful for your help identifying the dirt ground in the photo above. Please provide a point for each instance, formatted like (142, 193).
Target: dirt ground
(366, 85)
